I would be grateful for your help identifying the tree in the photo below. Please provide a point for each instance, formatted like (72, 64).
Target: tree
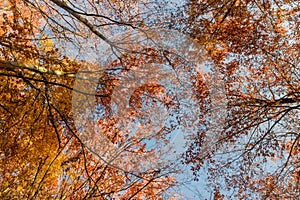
(254, 46)
(42, 155)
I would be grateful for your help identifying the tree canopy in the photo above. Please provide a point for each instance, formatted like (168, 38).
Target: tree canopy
(94, 92)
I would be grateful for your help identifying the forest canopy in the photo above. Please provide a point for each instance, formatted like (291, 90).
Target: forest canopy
(115, 99)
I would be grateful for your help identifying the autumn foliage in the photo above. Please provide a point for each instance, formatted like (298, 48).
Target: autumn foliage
(246, 135)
